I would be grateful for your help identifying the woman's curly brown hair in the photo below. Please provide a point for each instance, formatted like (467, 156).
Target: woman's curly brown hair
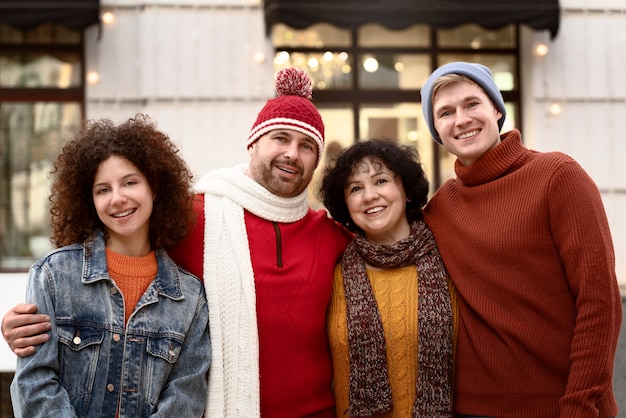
(73, 214)
(403, 160)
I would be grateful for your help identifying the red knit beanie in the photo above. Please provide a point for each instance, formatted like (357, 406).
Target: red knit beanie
(292, 109)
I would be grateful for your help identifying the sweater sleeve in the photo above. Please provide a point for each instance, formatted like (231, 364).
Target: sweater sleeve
(188, 254)
(581, 233)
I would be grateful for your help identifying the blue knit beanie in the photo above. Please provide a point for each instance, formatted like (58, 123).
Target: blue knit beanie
(477, 72)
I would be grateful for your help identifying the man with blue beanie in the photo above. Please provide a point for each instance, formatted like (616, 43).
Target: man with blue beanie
(526, 241)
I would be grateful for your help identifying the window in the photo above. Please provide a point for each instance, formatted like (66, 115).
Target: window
(41, 104)
(366, 82)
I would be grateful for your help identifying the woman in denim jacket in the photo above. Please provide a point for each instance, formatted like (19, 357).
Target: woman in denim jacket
(130, 326)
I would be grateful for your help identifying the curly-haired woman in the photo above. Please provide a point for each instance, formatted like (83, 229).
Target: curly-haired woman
(130, 327)
(392, 316)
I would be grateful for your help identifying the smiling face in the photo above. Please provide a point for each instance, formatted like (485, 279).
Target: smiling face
(377, 202)
(123, 200)
(283, 161)
(466, 120)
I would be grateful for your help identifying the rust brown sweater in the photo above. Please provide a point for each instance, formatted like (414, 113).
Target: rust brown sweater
(526, 241)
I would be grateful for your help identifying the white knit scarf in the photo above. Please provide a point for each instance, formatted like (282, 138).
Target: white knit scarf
(229, 284)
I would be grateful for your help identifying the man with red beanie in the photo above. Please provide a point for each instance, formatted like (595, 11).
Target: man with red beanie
(267, 263)
(525, 239)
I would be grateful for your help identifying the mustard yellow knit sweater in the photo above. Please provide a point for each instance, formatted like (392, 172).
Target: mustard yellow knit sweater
(396, 295)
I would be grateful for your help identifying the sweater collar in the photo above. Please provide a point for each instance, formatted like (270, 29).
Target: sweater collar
(504, 158)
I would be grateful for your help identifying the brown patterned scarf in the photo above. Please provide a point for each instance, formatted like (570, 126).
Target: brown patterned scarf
(370, 392)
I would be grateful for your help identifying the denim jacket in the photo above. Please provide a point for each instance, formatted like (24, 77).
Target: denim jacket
(155, 366)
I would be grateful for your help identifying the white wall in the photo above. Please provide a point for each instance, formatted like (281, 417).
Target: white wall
(192, 66)
(583, 73)
(13, 290)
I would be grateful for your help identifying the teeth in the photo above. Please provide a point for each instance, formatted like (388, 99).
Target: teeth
(467, 135)
(121, 215)
(374, 210)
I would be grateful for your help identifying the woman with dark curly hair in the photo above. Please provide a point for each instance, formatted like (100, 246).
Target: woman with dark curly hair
(130, 327)
(392, 316)
(74, 216)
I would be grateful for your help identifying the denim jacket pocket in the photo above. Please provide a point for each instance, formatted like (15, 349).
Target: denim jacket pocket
(167, 348)
(163, 352)
(79, 353)
(77, 338)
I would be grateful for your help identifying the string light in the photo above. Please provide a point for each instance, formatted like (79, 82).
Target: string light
(93, 77)
(259, 57)
(541, 50)
(108, 18)
(555, 109)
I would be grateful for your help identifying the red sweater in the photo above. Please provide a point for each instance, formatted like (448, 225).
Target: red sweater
(293, 267)
(526, 241)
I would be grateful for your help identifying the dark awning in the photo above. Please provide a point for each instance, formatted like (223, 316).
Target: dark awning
(28, 14)
(399, 14)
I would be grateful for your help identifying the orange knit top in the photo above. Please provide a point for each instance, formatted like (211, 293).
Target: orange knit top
(396, 293)
(132, 275)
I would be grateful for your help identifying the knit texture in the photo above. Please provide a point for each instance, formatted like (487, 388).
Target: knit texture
(370, 390)
(132, 275)
(229, 283)
(292, 296)
(395, 291)
(293, 269)
(526, 242)
(292, 109)
(477, 72)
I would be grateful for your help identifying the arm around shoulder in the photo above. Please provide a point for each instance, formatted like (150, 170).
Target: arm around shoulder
(35, 390)
(23, 328)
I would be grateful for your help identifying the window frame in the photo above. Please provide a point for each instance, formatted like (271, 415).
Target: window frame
(74, 94)
(355, 95)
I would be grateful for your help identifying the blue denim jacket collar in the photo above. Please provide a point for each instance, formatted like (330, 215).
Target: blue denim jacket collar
(166, 283)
